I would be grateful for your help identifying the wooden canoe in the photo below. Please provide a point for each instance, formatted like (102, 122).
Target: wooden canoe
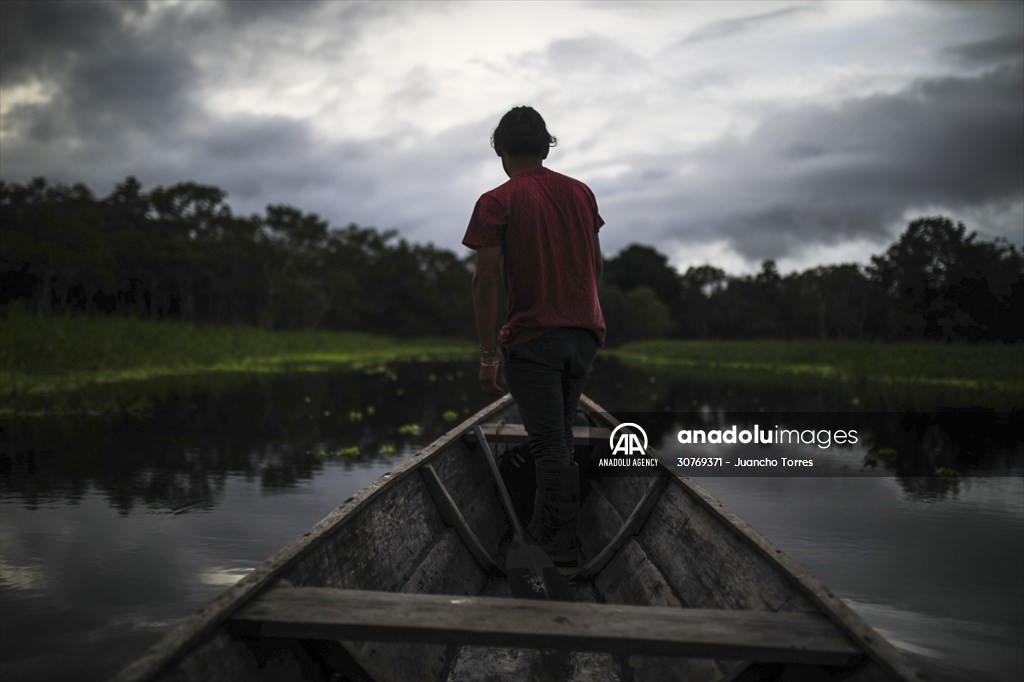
(404, 582)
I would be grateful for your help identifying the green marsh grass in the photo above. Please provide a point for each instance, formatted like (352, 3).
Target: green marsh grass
(43, 358)
(988, 375)
(81, 364)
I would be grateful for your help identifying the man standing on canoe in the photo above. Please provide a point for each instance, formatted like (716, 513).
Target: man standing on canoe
(539, 232)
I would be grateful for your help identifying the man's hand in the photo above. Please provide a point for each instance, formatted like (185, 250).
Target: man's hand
(489, 380)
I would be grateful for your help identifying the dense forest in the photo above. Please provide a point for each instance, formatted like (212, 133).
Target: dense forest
(179, 252)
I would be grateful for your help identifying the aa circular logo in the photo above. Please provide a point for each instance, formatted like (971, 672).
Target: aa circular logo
(626, 440)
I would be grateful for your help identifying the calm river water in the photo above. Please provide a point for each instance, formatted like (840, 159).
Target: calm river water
(112, 533)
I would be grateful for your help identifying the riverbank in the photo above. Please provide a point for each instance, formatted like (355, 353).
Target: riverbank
(44, 361)
(82, 364)
(981, 375)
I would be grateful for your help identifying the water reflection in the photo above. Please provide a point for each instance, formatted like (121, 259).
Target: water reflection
(110, 533)
(279, 431)
(931, 449)
(113, 532)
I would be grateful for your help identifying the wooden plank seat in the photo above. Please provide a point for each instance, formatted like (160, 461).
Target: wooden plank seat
(319, 613)
(515, 434)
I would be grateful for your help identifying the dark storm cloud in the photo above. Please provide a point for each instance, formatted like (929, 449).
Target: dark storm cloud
(139, 85)
(254, 158)
(729, 27)
(819, 176)
(106, 77)
(112, 91)
(1002, 21)
(38, 39)
(234, 11)
(1008, 47)
(125, 103)
(124, 99)
(107, 71)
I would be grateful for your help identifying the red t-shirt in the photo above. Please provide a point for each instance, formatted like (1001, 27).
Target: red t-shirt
(546, 224)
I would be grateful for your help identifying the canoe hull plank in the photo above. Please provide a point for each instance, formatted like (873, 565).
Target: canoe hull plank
(452, 516)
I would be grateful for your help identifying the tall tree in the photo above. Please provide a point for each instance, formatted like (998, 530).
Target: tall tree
(291, 260)
(697, 314)
(643, 266)
(942, 283)
(829, 301)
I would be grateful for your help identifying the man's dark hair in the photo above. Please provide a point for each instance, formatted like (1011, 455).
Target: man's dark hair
(522, 133)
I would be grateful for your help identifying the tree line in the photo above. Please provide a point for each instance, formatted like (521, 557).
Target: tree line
(935, 282)
(179, 252)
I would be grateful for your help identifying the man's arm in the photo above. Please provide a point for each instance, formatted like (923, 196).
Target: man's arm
(485, 293)
(485, 309)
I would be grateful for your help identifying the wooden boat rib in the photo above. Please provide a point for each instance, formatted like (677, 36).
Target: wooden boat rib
(404, 582)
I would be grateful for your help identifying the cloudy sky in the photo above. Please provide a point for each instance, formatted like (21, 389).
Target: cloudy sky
(717, 132)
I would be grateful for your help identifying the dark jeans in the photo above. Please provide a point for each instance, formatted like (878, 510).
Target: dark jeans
(546, 377)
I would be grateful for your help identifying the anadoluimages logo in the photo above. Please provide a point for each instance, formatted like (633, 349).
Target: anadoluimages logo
(625, 440)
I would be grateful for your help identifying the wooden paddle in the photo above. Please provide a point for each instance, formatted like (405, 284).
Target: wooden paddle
(531, 573)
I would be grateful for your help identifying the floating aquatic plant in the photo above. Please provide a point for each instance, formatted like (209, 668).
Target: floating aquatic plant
(887, 454)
